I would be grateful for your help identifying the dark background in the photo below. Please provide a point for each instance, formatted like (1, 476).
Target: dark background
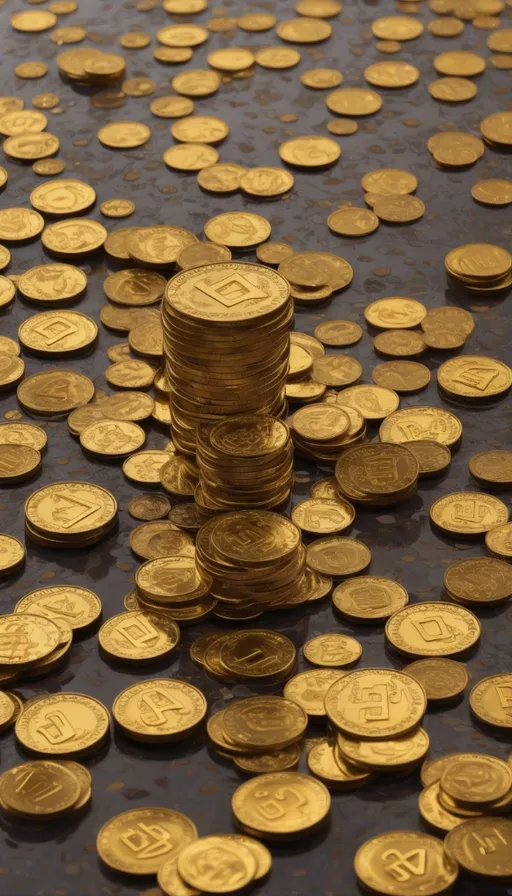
(60, 859)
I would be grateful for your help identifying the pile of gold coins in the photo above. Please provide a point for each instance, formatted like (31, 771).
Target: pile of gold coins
(245, 462)
(480, 268)
(226, 340)
(321, 431)
(44, 790)
(255, 559)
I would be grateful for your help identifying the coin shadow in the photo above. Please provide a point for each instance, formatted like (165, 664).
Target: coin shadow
(121, 879)
(393, 530)
(500, 734)
(158, 752)
(40, 831)
(483, 611)
(140, 669)
(76, 556)
(93, 757)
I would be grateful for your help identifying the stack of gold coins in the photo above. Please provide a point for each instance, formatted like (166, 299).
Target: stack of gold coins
(70, 514)
(87, 65)
(245, 462)
(459, 786)
(172, 581)
(226, 340)
(480, 267)
(255, 558)
(258, 656)
(322, 431)
(43, 790)
(236, 860)
(377, 715)
(377, 473)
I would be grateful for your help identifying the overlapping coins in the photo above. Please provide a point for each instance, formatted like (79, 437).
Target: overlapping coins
(480, 267)
(245, 462)
(226, 338)
(377, 474)
(43, 790)
(70, 514)
(321, 432)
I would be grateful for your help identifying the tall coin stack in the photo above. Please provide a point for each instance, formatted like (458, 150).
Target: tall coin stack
(226, 340)
(256, 559)
(245, 462)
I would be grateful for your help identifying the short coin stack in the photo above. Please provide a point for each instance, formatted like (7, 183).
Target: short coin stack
(87, 65)
(323, 431)
(43, 789)
(255, 558)
(259, 732)
(377, 474)
(172, 581)
(70, 514)
(226, 339)
(480, 267)
(459, 786)
(245, 462)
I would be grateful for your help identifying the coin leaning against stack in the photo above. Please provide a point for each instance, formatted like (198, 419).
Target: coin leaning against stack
(226, 340)
(245, 462)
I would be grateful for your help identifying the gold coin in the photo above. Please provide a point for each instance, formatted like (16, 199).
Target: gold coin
(18, 224)
(7, 292)
(171, 107)
(55, 391)
(399, 209)
(448, 26)
(31, 146)
(369, 598)
(433, 812)
(321, 78)
(220, 178)
(57, 333)
(399, 343)
(460, 63)
(442, 679)
(33, 20)
(495, 128)
(468, 513)
(308, 690)
(488, 700)
(184, 7)
(22, 122)
(336, 370)
(401, 376)
(499, 541)
(18, 463)
(73, 604)
(201, 253)
(198, 82)
(391, 74)
(332, 650)
(134, 40)
(112, 438)
(353, 221)
(162, 833)
(60, 724)
(70, 508)
(134, 287)
(447, 339)
(478, 261)
(323, 9)
(29, 70)
(237, 230)
(263, 723)
(310, 152)
(389, 182)
(10, 104)
(149, 507)
(323, 517)
(337, 556)
(432, 629)
(326, 763)
(182, 35)
(74, 237)
(422, 423)
(389, 755)
(320, 424)
(117, 208)
(52, 283)
(492, 192)
(396, 28)
(171, 580)
(401, 699)
(342, 127)
(501, 61)
(277, 57)
(476, 779)
(159, 710)
(233, 868)
(257, 655)
(200, 129)
(139, 636)
(12, 369)
(453, 90)
(256, 21)
(479, 580)
(46, 167)
(474, 377)
(32, 638)
(160, 538)
(338, 332)
(266, 182)
(138, 87)
(190, 156)
(463, 845)
(312, 345)
(371, 402)
(231, 59)
(5, 257)
(39, 789)
(23, 434)
(374, 863)
(130, 374)
(394, 313)
(433, 458)
(263, 763)
(124, 134)
(12, 554)
(133, 406)
(296, 819)
(305, 30)
(179, 476)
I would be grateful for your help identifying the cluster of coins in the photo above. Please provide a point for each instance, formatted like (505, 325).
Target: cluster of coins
(70, 515)
(376, 474)
(44, 790)
(256, 561)
(245, 462)
(227, 345)
(480, 268)
(272, 657)
(321, 432)
(91, 67)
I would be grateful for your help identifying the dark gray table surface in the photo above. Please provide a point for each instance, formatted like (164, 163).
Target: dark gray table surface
(60, 859)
